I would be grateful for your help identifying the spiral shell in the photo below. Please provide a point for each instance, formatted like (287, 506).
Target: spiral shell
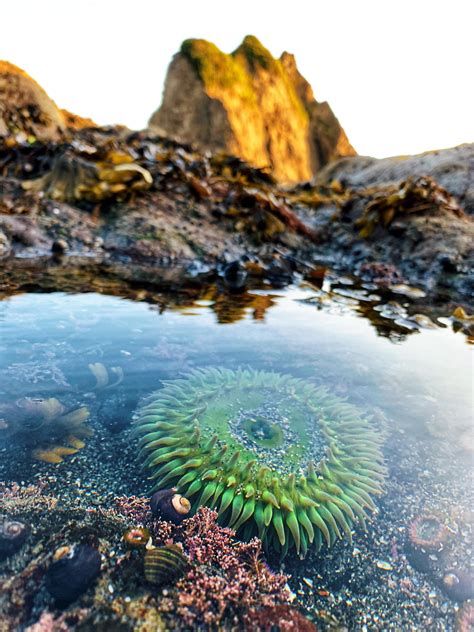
(458, 584)
(165, 564)
(12, 536)
(170, 506)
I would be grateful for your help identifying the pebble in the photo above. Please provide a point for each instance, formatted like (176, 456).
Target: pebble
(385, 566)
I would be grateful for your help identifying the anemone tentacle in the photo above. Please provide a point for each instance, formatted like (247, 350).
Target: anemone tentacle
(276, 456)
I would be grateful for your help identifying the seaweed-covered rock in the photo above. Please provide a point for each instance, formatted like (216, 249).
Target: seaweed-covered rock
(452, 168)
(25, 107)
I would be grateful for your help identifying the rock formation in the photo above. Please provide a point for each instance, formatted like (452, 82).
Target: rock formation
(25, 107)
(250, 105)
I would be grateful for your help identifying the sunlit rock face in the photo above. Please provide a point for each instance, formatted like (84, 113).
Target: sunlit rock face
(327, 139)
(25, 108)
(250, 105)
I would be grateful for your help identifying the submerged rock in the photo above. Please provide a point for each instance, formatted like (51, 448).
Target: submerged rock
(73, 572)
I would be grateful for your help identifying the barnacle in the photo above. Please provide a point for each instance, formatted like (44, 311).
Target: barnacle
(277, 456)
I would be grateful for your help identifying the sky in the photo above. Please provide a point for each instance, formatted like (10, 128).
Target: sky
(397, 73)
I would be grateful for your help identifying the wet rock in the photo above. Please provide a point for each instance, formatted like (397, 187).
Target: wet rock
(235, 276)
(380, 273)
(59, 247)
(73, 571)
(280, 272)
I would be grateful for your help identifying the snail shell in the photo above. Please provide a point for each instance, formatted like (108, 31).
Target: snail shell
(165, 564)
(170, 506)
(12, 536)
(458, 584)
(136, 537)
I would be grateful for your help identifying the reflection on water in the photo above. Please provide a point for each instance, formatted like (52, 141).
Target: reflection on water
(73, 368)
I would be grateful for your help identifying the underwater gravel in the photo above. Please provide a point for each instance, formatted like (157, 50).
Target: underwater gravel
(370, 585)
(366, 585)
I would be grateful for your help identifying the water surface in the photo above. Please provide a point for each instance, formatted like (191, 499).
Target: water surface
(102, 354)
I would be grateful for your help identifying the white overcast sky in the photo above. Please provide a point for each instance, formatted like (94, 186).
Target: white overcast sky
(398, 74)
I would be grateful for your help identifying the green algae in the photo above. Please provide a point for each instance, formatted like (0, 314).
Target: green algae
(217, 69)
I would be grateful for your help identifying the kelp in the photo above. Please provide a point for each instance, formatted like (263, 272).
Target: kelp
(72, 178)
(413, 195)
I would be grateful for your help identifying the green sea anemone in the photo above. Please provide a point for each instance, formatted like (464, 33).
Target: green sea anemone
(277, 456)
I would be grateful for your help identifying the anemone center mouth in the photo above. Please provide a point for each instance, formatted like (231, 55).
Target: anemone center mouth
(429, 529)
(278, 431)
(263, 431)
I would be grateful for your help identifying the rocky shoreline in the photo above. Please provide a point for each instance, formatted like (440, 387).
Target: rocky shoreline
(126, 199)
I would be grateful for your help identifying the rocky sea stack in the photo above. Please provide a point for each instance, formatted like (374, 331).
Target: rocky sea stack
(251, 105)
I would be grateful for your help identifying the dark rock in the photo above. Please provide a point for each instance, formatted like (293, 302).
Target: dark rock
(280, 272)
(59, 247)
(235, 276)
(72, 574)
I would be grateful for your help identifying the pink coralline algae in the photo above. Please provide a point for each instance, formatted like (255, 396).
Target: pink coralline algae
(227, 578)
(465, 618)
(48, 623)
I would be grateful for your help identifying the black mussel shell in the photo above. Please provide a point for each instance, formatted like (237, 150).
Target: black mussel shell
(71, 575)
(12, 536)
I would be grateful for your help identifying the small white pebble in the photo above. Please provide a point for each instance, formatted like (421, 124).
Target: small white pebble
(291, 594)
